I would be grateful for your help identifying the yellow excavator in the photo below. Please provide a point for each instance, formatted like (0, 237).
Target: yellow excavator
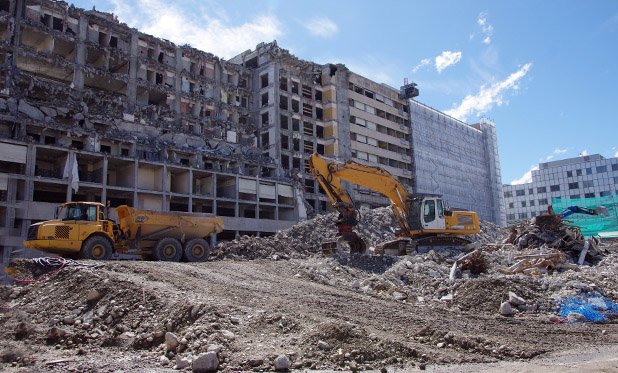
(423, 219)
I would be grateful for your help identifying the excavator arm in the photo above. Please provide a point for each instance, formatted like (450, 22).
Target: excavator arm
(330, 174)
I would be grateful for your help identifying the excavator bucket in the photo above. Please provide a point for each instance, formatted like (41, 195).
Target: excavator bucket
(601, 210)
(345, 245)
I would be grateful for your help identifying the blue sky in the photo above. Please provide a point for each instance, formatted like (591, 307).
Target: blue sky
(546, 72)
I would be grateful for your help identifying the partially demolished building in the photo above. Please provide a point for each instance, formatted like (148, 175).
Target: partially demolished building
(91, 109)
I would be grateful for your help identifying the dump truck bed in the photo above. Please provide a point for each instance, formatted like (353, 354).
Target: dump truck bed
(152, 224)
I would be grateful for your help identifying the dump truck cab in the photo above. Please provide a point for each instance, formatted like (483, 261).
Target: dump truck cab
(78, 228)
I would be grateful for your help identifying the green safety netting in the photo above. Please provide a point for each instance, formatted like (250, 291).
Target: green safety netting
(590, 225)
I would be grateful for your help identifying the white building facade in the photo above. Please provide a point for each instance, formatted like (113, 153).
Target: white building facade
(581, 177)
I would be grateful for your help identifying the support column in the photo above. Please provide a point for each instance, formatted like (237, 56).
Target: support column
(104, 181)
(80, 55)
(190, 208)
(133, 66)
(135, 174)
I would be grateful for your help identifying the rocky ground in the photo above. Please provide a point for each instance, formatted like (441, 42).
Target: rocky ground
(276, 303)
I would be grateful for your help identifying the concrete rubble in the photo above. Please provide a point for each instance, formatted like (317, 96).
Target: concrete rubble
(213, 332)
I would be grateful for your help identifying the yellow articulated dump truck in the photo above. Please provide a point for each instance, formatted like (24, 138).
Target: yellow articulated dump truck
(84, 229)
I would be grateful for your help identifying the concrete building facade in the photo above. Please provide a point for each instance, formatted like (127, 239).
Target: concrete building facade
(458, 161)
(581, 177)
(93, 110)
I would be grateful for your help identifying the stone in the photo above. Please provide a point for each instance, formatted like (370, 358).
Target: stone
(163, 360)
(353, 366)
(399, 295)
(30, 111)
(93, 296)
(447, 297)
(171, 341)
(214, 348)
(515, 299)
(235, 320)
(69, 320)
(323, 345)
(255, 361)
(49, 111)
(181, 363)
(441, 345)
(506, 309)
(282, 363)
(207, 362)
(228, 335)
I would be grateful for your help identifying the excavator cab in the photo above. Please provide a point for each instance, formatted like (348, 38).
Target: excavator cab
(426, 212)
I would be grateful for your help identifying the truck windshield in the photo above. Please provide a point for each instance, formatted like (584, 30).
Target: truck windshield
(78, 212)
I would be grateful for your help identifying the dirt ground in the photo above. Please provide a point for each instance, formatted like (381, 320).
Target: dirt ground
(321, 313)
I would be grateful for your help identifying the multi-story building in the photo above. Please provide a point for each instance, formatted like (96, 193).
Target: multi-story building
(458, 161)
(93, 110)
(573, 178)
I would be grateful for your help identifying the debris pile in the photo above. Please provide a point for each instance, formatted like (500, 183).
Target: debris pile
(305, 238)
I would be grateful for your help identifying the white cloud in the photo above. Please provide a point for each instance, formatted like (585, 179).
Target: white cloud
(584, 153)
(321, 26)
(487, 97)
(486, 28)
(209, 32)
(616, 155)
(556, 152)
(526, 178)
(446, 59)
(424, 62)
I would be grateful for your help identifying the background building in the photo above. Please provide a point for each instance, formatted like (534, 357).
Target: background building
(93, 110)
(582, 177)
(457, 160)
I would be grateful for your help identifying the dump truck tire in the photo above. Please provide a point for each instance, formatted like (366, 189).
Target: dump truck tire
(197, 250)
(168, 249)
(96, 248)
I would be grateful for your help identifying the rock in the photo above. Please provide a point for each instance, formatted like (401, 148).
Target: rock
(228, 335)
(235, 320)
(353, 366)
(93, 296)
(515, 299)
(194, 311)
(163, 360)
(399, 295)
(181, 363)
(30, 110)
(207, 362)
(282, 363)
(356, 284)
(323, 345)
(506, 309)
(23, 330)
(214, 348)
(54, 334)
(69, 320)
(171, 341)
(447, 297)
(255, 361)
(441, 345)
(49, 111)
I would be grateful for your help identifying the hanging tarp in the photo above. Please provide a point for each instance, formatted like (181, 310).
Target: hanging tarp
(590, 225)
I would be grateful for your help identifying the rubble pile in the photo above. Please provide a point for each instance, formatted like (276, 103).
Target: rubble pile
(305, 238)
